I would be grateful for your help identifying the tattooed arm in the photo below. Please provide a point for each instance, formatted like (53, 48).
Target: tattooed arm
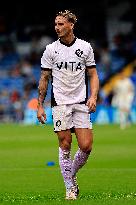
(42, 89)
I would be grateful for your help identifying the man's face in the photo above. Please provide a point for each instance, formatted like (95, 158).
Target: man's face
(62, 26)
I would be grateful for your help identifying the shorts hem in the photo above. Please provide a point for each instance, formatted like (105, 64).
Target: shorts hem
(73, 129)
(63, 129)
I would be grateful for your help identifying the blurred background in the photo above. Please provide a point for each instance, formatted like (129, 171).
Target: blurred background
(26, 29)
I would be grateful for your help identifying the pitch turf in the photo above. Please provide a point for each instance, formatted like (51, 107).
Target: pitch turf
(109, 177)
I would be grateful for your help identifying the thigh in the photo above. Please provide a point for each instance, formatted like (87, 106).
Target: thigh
(65, 139)
(64, 135)
(62, 117)
(81, 117)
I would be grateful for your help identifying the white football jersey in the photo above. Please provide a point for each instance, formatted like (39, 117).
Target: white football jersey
(68, 64)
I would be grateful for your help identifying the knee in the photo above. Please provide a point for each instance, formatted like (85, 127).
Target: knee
(87, 148)
(65, 144)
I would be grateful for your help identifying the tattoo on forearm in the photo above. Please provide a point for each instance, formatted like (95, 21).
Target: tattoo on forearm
(42, 88)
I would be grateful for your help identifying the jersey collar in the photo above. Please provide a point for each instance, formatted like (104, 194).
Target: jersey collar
(68, 45)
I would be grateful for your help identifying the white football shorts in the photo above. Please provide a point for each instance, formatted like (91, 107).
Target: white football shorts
(71, 116)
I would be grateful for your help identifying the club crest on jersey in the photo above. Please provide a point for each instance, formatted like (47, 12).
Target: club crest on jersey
(58, 123)
(78, 52)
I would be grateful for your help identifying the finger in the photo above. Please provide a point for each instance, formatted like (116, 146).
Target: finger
(41, 120)
(93, 108)
(44, 116)
(88, 104)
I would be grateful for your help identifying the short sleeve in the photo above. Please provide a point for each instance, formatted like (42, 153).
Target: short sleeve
(46, 59)
(90, 61)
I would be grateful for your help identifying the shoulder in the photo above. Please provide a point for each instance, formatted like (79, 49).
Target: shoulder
(51, 46)
(84, 43)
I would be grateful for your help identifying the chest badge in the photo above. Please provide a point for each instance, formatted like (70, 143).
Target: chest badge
(78, 52)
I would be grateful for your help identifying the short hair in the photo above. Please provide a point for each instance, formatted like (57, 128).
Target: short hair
(71, 17)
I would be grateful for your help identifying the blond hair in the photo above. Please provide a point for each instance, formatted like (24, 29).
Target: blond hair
(69, 15)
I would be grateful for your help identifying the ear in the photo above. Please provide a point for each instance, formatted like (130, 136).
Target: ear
(72, 25)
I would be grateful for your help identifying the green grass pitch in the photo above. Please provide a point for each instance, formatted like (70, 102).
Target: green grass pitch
(109, 177)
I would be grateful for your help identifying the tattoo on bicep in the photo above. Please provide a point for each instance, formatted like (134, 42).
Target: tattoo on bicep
(42, 88)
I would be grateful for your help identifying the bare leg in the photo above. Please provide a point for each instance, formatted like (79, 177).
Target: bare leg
(65, 161)
(85, 140)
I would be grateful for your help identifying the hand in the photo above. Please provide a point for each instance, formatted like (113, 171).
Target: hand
(41, 115)
(91, 103)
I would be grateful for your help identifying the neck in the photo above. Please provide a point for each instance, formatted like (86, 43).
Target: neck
(68, 39)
